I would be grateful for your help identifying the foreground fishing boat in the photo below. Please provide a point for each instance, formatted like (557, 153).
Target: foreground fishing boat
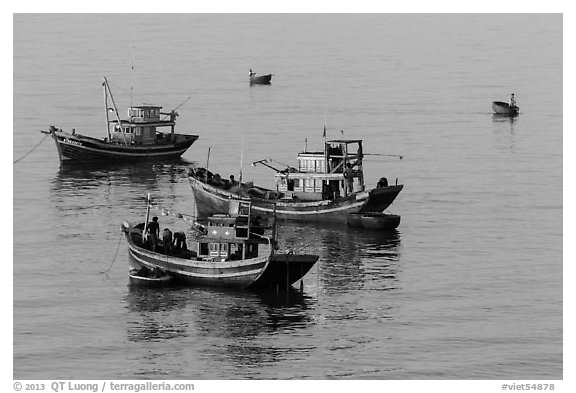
(327, 186)
(136, 138)
(259, 79)
(229, 251)
(504, 108)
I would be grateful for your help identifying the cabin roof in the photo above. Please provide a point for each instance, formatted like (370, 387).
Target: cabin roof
(345, 141)
(146, 106)
(222, 219)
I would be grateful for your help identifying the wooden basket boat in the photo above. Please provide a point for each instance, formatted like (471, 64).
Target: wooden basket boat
(145, 277)
(374, 221)
(260, 79)
(503, 108)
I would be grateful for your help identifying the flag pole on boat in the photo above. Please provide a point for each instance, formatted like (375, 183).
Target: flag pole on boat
(241, 160)
(132, 79)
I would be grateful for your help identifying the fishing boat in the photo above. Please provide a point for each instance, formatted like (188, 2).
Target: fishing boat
(327, 186)
(145, 277)
(259, 79)
(135, 138)
(229, 250)
(504, 108)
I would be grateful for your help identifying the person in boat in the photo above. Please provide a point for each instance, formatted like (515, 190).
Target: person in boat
(167, 241)
(233, 181)
(154, 232)
(383, 182)
(349, 178)
(180, 242)
(251, 73)
(512, 100)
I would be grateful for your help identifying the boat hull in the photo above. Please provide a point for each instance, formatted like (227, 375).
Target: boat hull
(374, 221)
(503, 108)
(261, 79)
(83, 149)
(265, 271)
(212, 200)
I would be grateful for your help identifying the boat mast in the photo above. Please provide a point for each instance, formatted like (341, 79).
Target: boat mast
(106, 111)
(115, 108)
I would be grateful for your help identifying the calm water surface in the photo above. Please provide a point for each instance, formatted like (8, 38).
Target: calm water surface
(468, 287)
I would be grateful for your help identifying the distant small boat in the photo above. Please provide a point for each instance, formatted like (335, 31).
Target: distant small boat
(260, 79)
(134, 139)
(145, 277)
(503, 108)
(374, 221)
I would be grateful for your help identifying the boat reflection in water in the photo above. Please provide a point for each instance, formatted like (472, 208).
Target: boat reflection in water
(225, 327)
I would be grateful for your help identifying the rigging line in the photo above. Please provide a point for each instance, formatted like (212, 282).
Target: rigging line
(34, 148)
(115, 255)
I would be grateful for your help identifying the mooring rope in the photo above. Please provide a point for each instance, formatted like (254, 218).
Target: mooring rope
(115, 255)
(25, 155)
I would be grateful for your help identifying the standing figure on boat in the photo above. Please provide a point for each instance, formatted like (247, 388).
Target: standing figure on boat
(167, 241)
(512, 100)
(251, 73)
(349, 179)
(383, 182)
(154, 232)
(180, 241)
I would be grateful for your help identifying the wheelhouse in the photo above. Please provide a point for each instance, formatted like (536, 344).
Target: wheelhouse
(320, 175)
(233, 236)
(141, 125)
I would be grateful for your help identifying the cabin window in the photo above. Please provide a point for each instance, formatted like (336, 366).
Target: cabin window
(139, 131)
(203, 248)
(309, 185)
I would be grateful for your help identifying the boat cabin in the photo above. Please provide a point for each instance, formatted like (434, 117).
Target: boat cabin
(233, 236)
(140, 128)
(325, 175)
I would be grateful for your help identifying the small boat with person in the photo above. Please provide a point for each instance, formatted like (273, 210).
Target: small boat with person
(506, 108)
(229, 250)
(135, 138)
(259, 79)
(327, 186)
